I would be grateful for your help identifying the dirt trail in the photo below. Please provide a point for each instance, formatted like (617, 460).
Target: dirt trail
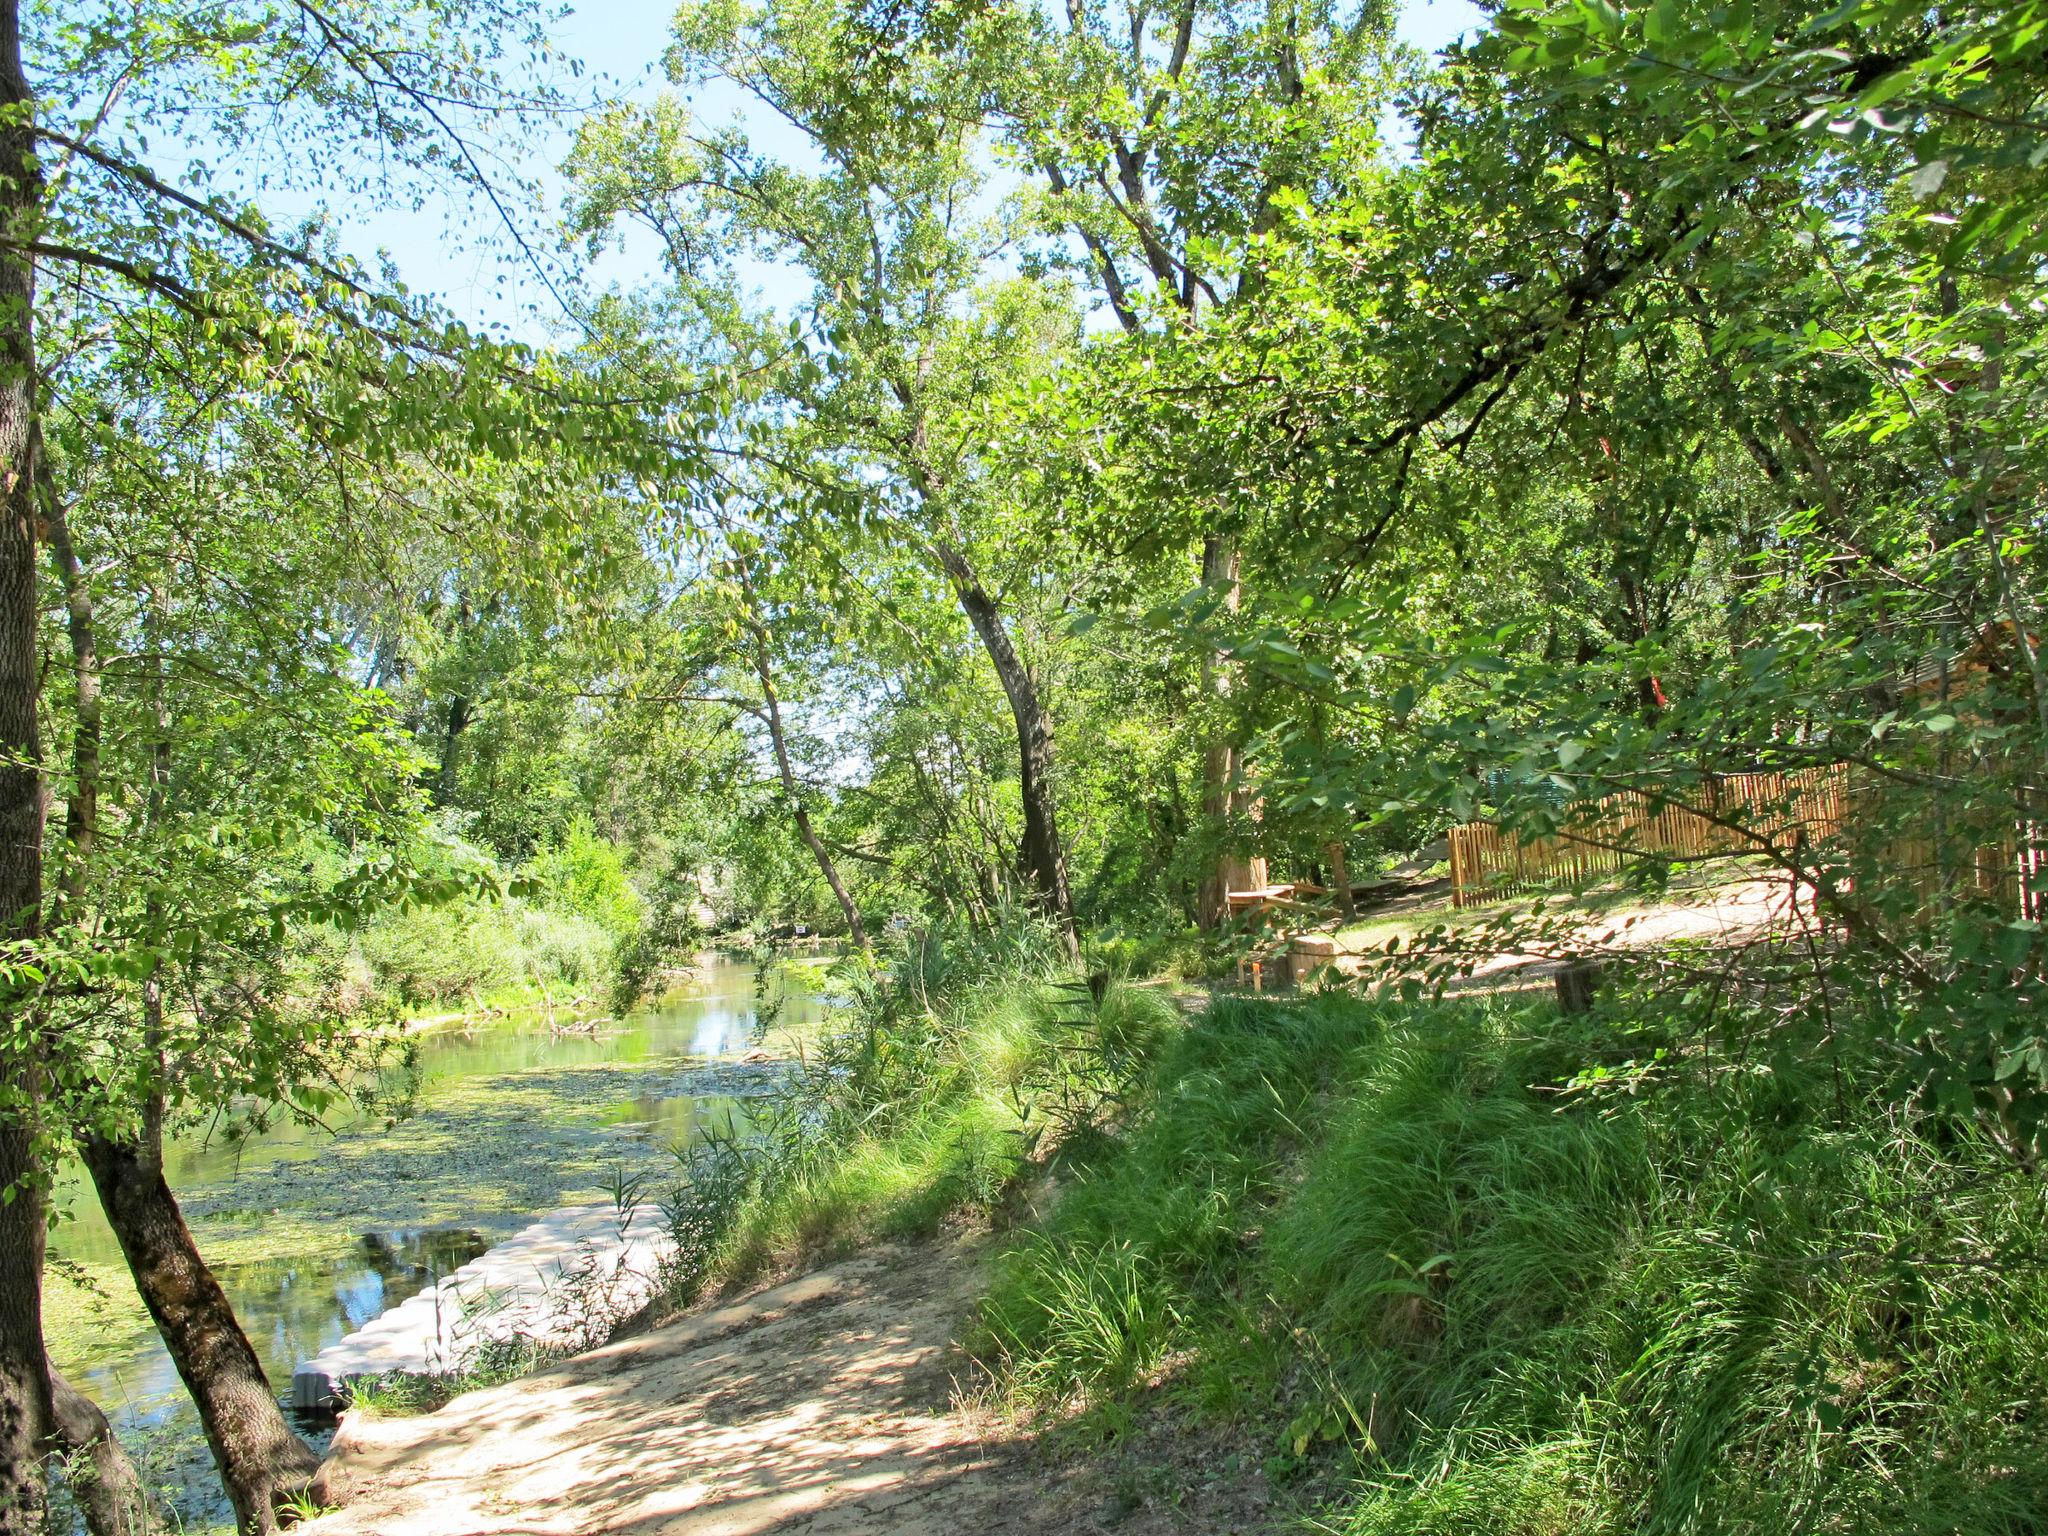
(823, 1405)
(1719, 916)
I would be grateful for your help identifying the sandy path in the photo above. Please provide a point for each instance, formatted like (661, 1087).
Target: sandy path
(1718, 917)
(823, 1405)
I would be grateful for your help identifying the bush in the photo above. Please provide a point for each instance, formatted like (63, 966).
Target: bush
(1171, 952)
(584, 876)
(435, 955)
(558, 947)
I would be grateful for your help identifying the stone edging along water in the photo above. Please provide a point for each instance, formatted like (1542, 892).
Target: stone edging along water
(561, 1283)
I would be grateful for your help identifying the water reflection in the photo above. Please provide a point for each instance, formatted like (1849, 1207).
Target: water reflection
(331, 1274)
(290, 1306)
(399, 1265)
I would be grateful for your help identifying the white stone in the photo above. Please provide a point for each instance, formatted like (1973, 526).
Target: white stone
(562, 1282)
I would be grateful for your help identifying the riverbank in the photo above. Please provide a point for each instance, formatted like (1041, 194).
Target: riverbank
(315, 1234)
(1329, 1263)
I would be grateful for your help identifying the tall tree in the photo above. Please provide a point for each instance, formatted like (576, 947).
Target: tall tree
(912, 333)
(1168, 140)
(25, 1406)
(161, 266)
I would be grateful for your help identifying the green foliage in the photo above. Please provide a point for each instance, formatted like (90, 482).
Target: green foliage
(585, 876)
(959, 1058)
(1208, 1151)
(452, 953)
(407, 1394)
(1724, 1293)
(1664, 401)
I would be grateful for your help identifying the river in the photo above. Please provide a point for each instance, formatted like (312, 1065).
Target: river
(314, 1232)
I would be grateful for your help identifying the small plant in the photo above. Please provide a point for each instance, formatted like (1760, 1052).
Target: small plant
(300, 1505)
(628, 1192)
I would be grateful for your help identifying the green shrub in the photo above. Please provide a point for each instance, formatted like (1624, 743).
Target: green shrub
(439, 954)
(1166, 952)
(560, 947)
(434, 954)
(584, 876)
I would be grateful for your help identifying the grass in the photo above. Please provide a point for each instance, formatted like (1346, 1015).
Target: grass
(1763, 1298)
(955, 1158)
(1459, 1268)
(404, 1394)
(954, 1070)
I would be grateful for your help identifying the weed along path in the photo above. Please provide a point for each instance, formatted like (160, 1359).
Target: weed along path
(826, 1404)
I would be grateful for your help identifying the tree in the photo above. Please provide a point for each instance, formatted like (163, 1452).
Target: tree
(1169, 141)
(1650, 278)
(25, 1406)
(911, 337)
(353, 372)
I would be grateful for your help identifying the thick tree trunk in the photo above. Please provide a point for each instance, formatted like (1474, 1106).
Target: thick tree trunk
(772, 709)
(1222, 795)
(1044, 857)
(25, 1414)
(24, 1379)
(260, 1459)
(104, 1483)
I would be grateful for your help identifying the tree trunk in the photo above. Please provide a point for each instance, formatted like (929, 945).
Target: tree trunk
(25, 1414)
(1340, 877)
(81, 807)
(772, 707)
(1044, 857)
(24, 1379)
(1222, 796)
(104, 1483)
(460, 712)
(260, 1459)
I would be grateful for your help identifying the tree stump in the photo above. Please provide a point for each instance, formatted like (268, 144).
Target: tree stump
(1310, 953)
(1577, 983)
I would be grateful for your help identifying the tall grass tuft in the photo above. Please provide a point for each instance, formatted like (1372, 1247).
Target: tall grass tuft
(1499, 1292)
(961, 1059)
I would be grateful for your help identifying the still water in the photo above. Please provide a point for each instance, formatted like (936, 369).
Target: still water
(315, 1232)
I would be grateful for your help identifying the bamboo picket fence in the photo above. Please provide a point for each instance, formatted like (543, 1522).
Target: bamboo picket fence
(2006, 865)
(1728, 814)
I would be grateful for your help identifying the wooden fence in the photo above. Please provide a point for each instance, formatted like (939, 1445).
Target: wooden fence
(1995, 859)
(1726, 814)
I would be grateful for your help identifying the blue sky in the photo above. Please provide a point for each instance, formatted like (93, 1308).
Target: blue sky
(454, 250)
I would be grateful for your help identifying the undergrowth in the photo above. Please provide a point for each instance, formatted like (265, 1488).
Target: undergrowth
(959, 1058)
(1451, 1268)
(1505, 1274)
